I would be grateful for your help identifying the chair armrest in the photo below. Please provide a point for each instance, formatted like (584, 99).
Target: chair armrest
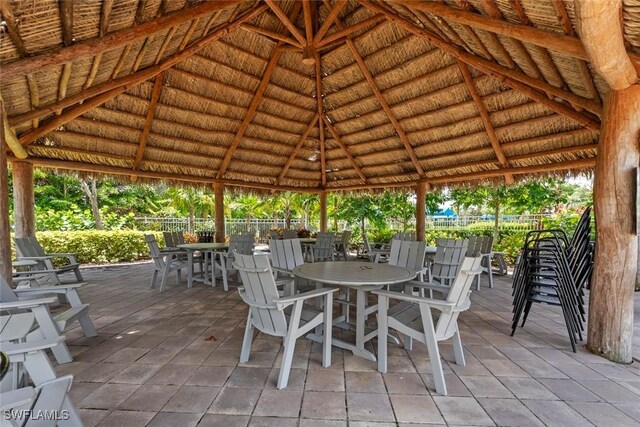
(62, 255)
(53, 289)
(430, 285)
(434, 303)
(30, 273)
(36, 258)
(27, 303)
(16, 398)
(172, 252)
(285, 302)
(30, 346)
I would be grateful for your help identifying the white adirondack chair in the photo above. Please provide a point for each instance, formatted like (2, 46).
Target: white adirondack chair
(413, 318)
(342, 245)
(165, 262)
(408, 254)
(50, 397)
(483, 246)
(404, 236)
(449, 256)
(29, 248)
(323, 248)
(238, 243)
(78, 311)
(289, 234)
(285, 256)
(35, 318)
(286, 317)
(273, 235)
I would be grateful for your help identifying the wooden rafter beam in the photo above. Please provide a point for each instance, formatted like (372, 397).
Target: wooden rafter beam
(301, 141)
(115, 87)
(484, 115)
(257, 98)
(151, 110)
(482, 64)
(385, 106)
(142, 5)
(12, 28)
(105, 16)
(66, 16)
(339, 141)
(286, 21)
(331, 17)
(323, 161)
(271, 34)
(113, 170)
(110, 41)
(344, 32)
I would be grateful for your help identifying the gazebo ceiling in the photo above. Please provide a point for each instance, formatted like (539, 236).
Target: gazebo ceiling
(227, 91)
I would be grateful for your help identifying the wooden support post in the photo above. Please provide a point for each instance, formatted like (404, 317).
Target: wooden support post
(611, 299)
(218, 193)
(421, 193)
(23, 200)
(323, 211)
(5, 231)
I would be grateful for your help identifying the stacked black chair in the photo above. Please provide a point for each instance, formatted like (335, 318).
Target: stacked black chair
(554, 269)
(206, 236)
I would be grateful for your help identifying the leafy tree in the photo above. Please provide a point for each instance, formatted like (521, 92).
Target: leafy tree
(398, 206)
(191, 201)
(359, 209)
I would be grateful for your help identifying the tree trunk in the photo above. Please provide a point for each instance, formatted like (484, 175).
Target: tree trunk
(421, 192)
(363, 228)
(323, 211)
(611, 302)
(192, 219)
(23, 200)
(218, 192)
(92, 195)
(496, 222)
(638, 272)
(287, 217)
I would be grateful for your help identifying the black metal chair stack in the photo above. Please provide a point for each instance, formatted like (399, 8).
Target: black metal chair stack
(206, 236)
(554, 269)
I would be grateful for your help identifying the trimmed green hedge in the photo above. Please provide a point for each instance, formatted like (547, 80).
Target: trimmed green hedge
(92, 246)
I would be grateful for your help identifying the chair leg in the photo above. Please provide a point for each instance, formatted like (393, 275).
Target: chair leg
(165, 276)
(47, 327)
(87, 325)
(490, 273)
(154, 278)
(458, 351)
(289, 345)
(383, 331)
(432, 348)
(78, 274)
(328, 326)
(223, 272)
(247, 340)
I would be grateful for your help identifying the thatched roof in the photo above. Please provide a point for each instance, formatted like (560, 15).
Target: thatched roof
(219, 91)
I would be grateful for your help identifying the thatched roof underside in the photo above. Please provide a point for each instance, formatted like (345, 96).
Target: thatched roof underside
(227, 111)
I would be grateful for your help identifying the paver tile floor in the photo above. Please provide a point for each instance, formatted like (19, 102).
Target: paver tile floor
(171, 359)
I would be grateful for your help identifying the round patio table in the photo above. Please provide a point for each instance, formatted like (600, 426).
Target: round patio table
(363, 277)
(210, 251)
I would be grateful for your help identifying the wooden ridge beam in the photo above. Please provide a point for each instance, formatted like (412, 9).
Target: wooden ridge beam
(484, 65)
(114, 170)
(385, 105)
(115, 87)
(338, 140)
(484, 115)
(344, 32)
(303, 138)
(295, 32)
(331, 17)
(110, 41)
(153, 102)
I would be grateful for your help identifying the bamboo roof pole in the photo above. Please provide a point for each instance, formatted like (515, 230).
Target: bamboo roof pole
(115, 87)
(9, 136)
(286, 21)
(610, 332)
(5, 229)
(146, 129)
(338, 140)
(301, 141)
(257, 97)
(319, 103)
(484, 115)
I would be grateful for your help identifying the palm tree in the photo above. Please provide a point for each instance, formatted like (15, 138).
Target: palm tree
(191, 201)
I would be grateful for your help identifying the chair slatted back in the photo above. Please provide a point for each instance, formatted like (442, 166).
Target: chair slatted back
(289, 234)
(472, 246)
(154, 251)
(169, 240)
(486, 245)
(458, 295)
(178, 238)
(407, 254)
(346, 237)
(241, 243)
(6, 293)
(273, 235)
(449, 255)
(404, 236)
(323, 249)
(28, 247)
(286, 254)
(259, 291)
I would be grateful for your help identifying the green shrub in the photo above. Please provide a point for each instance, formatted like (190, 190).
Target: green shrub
(93, 246)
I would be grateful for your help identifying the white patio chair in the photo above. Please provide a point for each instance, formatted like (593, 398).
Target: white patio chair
(322, 250)
(289, 234)
(32, 405)
(32, 318)
(238, 243)
(400, 235)
(410, 255)
(449, 256)
(413, 318)
(273, 235)
(165, 262)
(342, 245)
(29, 248)
(286, 317)
(483, 246)
(78, 311)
